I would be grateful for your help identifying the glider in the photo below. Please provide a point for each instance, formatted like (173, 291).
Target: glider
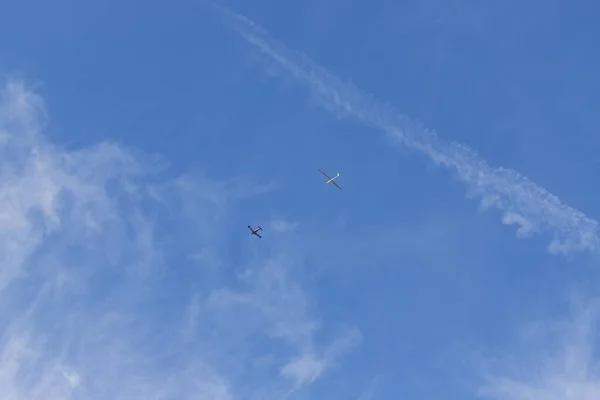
(255, 231)
(331, 180)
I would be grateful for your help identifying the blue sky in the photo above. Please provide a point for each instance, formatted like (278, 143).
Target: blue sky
(459, 262)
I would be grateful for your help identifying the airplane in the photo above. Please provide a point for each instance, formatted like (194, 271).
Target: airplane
(331, 180)
(255, 231)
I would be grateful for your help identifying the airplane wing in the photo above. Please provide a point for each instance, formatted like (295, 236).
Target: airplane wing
(327, 176)
(338, 186)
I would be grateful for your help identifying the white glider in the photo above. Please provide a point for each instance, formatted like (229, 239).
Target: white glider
(331, 180)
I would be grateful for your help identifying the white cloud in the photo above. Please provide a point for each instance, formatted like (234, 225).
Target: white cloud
(271, 305)
(523, 202)
(304, 369)
(556, 361)
(281, 225)
(95, 279)
(308, 367)
(370, 390)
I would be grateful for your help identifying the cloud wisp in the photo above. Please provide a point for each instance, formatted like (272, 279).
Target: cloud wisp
(113, 287)
(532, 208)
(271, 304)
(558, 361)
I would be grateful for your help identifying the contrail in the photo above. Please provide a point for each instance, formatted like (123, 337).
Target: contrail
(521, 201)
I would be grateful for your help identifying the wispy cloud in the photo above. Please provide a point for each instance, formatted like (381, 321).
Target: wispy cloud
(558, 362)
(371, 390)
(522, 202)
(99, 299)
(78, 256)
(282, 225)
(271, 304)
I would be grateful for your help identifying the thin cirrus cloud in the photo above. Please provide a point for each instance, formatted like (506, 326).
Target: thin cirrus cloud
(557, 361)
(101, 296)
(529, 206)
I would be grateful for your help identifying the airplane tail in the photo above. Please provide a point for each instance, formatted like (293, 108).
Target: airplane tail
(260, 227)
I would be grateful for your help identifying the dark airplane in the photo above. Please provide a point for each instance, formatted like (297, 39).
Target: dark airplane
(255, 231)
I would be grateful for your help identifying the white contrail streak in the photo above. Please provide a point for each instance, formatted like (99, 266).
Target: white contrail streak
(522, 202)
